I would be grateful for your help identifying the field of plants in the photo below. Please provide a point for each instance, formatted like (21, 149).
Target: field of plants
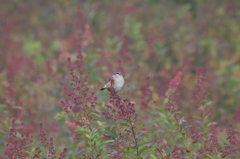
(180, 60)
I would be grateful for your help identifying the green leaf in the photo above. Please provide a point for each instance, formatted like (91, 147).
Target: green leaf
(86, 111)
(205, 119)
(197, 117)
(178, 112)
(94, 135)
(145, 143)
(129, 138)
(39, 58)
(150, 150)
(88, 136)
(100, 144)
(55, 45)
(89, 149)
(215, 152)
(99, 123)
(130, 153)
(60, 116)
(183, 143)
(92, 113)
(80, 131)
(189, 154)
(209, 124)
(184, 135)
(16, 107)
(106, 156)
(129, 147)
(120, 141)
(124, 124)
(106, 135)
(114, 125)
(170, 131)
(93, 131)
(186, 129)
(139, 126)
(3, 106)
(209, 156)
(141, 133)
(128, 130)
(207, 104)
(161, 110)
(163, 115)
(143, 149)
(28, 153)
(32, 46)
(159, 119)
(152, 156)
(83, 138)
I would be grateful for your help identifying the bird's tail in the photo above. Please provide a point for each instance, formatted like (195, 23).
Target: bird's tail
(103, 88)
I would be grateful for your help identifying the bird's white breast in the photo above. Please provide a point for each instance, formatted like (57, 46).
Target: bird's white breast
(118, 83)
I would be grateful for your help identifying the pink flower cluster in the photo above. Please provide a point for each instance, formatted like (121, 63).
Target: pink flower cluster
(201, 90)
(15, 147)
(146, 98)
(173, 107)
(236, 116)
(123, 51)
(212, 142)
(119, 109)
(231, 147)
(47, 145)
(80, 97)
(175, 81)
(63, 154)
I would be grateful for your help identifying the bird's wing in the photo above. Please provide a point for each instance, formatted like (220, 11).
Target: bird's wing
(110, 78)
(109, 82)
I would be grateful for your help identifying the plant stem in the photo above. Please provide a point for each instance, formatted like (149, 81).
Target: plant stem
(117, 138)
(134, 135)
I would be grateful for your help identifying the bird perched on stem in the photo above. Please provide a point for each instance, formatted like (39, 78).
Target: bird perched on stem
(118, 81)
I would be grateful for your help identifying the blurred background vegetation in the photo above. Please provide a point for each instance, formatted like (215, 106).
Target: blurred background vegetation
(155, 38)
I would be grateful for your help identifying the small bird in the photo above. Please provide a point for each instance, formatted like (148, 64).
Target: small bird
(118, 81)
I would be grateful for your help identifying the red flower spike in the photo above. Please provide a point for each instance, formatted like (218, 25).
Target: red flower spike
(14, 145)
(120, 109)
(232, 148)
(147, 94)
(201, 90)
(175, 81)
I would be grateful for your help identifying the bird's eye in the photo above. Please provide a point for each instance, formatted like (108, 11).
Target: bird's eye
(117, 73)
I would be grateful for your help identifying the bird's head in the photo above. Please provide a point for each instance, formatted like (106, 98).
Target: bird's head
(117, 74)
